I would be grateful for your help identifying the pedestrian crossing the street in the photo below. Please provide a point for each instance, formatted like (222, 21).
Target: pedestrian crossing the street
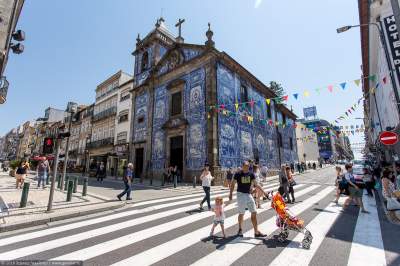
(173, 231)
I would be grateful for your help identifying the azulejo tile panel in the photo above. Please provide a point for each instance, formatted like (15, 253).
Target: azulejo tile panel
(194, 112)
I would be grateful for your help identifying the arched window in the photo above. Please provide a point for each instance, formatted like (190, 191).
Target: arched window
(145, 60)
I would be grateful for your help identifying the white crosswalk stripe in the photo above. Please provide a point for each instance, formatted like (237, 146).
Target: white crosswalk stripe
(93, 240)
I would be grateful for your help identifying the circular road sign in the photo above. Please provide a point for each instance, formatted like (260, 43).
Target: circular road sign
(388, 138)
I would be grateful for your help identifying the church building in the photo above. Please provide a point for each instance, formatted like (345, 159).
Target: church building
(188, 109)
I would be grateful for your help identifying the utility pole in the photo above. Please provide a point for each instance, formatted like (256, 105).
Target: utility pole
(64, 172)
(53, 177)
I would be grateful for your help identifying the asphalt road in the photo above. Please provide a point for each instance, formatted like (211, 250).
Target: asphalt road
(172, 231)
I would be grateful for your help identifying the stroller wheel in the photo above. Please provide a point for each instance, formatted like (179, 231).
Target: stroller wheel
(306, 243)
(283, 236)
(308, 235)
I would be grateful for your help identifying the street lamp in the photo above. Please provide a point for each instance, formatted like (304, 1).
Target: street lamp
(383, 42)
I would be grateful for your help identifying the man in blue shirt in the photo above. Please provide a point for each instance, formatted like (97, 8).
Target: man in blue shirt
(128, 179)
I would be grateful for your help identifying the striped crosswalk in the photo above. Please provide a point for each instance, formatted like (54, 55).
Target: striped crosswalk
(172, 231)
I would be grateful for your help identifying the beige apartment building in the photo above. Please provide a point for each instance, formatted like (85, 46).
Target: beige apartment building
(101, 146)
(307, 144)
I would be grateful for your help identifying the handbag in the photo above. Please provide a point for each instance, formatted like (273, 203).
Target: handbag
(292, 182)
(393, 204)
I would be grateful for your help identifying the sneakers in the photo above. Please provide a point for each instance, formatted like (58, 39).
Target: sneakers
(119, 197)
(128, 198)
(240, 233)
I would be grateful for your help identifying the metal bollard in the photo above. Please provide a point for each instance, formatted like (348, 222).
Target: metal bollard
(194, 182)
(69, 191)
(24, 196)
(85, 184)
(75, 184)
(151, 181)
(66, 182)
(47, 179)
(175, 181)
(163, 181)
(59, 182)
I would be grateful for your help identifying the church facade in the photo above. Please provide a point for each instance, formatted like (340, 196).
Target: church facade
(181, 95)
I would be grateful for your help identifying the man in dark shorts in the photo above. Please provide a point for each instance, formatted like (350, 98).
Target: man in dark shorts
(246, 182)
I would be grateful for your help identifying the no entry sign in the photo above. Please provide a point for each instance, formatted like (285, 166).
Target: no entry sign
(388, 138)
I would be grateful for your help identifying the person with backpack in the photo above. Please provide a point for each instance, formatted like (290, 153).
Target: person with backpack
(128, 180)
(43, 169)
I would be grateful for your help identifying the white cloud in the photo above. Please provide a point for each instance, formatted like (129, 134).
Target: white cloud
(257, 3)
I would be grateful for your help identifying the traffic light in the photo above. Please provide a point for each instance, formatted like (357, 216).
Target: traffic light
(48, 145)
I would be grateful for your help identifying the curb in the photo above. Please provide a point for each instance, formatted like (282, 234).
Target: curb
(23, 225)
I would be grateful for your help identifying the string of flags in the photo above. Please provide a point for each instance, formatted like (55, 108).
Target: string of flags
(349, 111)
(305, 93)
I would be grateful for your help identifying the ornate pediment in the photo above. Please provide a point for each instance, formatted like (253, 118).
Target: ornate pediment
(176, 122)
(177, 56)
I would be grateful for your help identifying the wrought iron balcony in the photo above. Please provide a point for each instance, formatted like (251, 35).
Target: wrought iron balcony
(104, 114)
(100, 143)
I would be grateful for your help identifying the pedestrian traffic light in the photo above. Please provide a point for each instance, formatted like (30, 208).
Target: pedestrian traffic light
(48, 145)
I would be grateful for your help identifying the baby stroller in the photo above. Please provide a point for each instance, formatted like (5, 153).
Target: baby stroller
(286, 221)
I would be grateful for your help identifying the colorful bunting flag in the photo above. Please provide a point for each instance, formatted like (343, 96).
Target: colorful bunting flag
(343, 85)
(268, 101)
(330, 88)
(384, 80)
(306, 93)
(296, 95)
(285, 98)
(357, 82)
(236, 106)
(372, 78)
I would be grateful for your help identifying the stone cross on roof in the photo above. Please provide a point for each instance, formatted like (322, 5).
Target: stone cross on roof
(179, 26)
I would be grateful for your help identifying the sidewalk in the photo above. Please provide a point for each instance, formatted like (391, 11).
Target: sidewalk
(35, 213)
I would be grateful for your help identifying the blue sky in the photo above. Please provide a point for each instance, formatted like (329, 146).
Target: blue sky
(73, 45)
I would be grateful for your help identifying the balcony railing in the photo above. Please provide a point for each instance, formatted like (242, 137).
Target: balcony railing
(104, 114)
(100, 143)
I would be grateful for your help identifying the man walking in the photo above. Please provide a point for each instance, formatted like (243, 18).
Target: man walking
(128, 179)
(246, 181)
(101, 172)
(43, 170)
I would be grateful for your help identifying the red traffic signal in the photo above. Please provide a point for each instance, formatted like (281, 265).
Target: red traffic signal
(48, 145)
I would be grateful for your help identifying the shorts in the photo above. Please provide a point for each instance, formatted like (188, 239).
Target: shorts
(355, 193)
(216, 222)
(245, 200)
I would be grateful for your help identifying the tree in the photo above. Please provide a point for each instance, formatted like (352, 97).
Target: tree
(277, 88)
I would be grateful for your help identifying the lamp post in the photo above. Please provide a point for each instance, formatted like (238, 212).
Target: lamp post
(383, 42)
(71, 112)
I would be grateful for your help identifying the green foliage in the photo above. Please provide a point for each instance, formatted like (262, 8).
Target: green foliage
(14, 164)
(277, 88)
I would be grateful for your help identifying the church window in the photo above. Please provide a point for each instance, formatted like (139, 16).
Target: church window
(269, 112)
(244, 94)
(176, 103)
(145, 60)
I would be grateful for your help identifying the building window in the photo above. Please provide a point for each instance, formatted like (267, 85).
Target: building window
(176, 103)
(123, 116)
(145, 60)
(140, 119)
(291, 143)
(125, 96)
(284, 119)
(269, 113)
(280, 142)
(244, 94)
(122, 137)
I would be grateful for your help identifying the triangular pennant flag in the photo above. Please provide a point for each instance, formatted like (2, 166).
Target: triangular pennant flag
(384, 80)
(236, 106)
(285, 98)
(268, 101)
(372, 78)
(318, 90)
(330, 88)
(244, 105)
(251, 103)
(372, 90)
(346, 113)
(222, 106)
(306, 93)
(343, 85)
(296, 95)
(357, 82)
(377, 85)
